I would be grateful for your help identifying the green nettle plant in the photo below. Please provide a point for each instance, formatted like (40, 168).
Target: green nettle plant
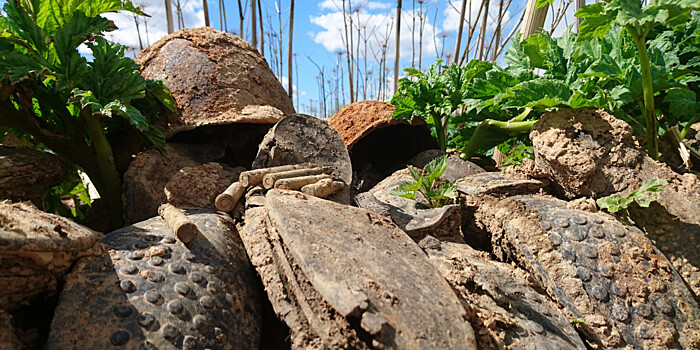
(444, 100)
(639, 21)
(648, 192)
(437, 193)
(60, 101)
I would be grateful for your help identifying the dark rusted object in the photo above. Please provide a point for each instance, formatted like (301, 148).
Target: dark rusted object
(36, 250)
(341, 276)
(216, 79)
(25, 174)
(152, 291)
(607, 273)
(502, 306)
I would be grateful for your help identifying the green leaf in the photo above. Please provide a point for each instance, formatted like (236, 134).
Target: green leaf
(542, 3)
(416, 173)
(534, 47)
(54, 14)
(597, 21)
(613, 203)
(435, 168)
(682, 102)
(447, 190)
(156, 89)
(112, 75)
(406, 189)
(648, 192)
(23, 27)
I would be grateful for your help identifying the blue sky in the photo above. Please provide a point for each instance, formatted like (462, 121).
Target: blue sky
(317, 26)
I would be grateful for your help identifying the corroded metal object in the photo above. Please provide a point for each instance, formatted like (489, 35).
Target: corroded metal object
(600, 270)
(503, 307)
(152, 291)
(343, 277)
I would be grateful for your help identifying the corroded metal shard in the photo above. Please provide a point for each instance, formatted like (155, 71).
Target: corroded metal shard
(36, 251)
(503, 307)
(607, 273)
(412, 216)
(341, 276)
(152, 291)
(496, 184)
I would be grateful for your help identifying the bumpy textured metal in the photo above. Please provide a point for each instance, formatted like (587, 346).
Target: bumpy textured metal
(152, 291)
(609, 274)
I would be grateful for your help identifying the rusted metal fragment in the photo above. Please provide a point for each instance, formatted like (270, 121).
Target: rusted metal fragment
(304, 139)
(503, 307)
(607, 273)
(36, 250)
(216, 78)
(414, 217)
(496, 184)
(340, 275)
(152, 291)
(25, 174)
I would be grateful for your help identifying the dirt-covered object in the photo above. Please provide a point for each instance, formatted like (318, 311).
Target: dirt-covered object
(506, 309)
(457, 167)
(144, 184)
(587, 152)
(150, 171)
(413, 216)
(496, 184)
(36, 250)
(216, 79)
(590, 153)
(343, 277)
(8, 339)
(25, 174)
(357, 120)
(608, 274)
(198, 187)
(305, 139)
(150, 290)
(677, 238)
(367, 127)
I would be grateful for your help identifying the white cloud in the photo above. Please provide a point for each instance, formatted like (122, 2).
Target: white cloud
(374, 5)
(378, 26)
(154, 27)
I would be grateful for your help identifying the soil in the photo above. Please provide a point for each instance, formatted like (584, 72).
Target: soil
(198, 187)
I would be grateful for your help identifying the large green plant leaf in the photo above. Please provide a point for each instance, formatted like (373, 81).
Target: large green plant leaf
(54, 14)
(682, 102)
(112, 75)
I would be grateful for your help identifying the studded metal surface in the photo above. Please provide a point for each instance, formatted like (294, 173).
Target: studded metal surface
(151, 291)
(596, 266)
(505, 311)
